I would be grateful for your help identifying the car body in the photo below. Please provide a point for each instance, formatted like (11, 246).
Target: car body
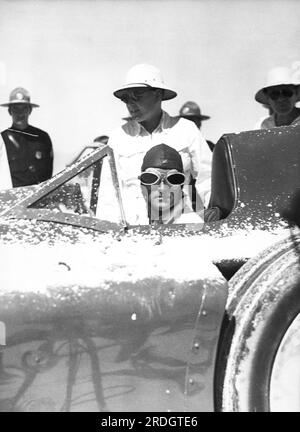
(103, 316)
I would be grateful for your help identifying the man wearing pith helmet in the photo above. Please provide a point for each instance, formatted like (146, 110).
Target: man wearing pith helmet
(191, 111)
(143, 92)
(29, 149)
(280, 94)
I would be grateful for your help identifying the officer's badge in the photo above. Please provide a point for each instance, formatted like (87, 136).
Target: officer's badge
(38, 155)
(19, 96)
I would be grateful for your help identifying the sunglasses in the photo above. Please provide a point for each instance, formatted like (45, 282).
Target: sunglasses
(154, 177)
(135, 95)
(275, 94)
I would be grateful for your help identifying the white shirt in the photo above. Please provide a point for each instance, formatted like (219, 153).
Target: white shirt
(269, 122)
(130, 143)
(5, 177)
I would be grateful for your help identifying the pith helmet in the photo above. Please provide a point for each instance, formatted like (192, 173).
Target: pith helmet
(145, 75)
(19, 95)
(278, 76)
(191, 109)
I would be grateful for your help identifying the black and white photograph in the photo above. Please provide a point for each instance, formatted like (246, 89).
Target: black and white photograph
(149, 209)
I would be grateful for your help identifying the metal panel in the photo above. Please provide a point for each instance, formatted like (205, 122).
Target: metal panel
(113, 350)
(266, 166)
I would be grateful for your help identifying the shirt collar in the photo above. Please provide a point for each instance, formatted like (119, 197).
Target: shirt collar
(140, 130)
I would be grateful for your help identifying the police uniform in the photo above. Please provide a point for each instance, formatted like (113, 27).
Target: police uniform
(30, 155)
(191, 111)
(29, 151)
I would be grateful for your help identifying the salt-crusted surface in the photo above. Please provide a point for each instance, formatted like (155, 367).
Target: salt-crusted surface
(99, 264)
(245, 243)
(107, 275)
(103, 259)
(8, 198)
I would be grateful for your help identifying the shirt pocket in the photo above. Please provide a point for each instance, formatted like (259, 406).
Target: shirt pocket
(130, 164)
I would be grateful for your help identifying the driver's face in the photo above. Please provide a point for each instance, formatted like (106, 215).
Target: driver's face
(162, 197)
(20, 113)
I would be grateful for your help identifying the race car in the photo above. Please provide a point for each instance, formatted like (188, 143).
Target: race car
(98, 315)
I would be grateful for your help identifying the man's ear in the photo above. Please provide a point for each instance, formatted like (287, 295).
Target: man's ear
(9, 110)
(30, 109)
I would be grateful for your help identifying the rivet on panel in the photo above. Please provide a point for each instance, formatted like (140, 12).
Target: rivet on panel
(196, 345)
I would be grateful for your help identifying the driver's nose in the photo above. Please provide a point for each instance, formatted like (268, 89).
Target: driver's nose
(162, 186)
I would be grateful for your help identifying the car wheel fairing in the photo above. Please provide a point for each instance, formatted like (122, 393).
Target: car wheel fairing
(285, 379)
(263, 302)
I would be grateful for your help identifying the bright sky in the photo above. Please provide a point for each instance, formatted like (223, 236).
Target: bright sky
(71, 55)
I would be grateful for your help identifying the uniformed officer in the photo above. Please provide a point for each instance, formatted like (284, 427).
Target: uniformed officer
(29, 149)
(191, 111)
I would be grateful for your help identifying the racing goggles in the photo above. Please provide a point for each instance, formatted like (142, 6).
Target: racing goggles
(154, 177)
(285, 92)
